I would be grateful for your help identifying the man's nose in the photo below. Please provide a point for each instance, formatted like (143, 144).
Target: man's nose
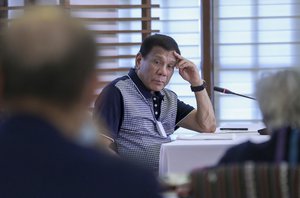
(163, 70)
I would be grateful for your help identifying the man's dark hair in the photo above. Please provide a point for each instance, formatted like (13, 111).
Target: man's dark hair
(46, 56)
(158, 40)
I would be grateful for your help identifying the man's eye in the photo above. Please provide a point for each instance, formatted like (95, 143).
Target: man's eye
(171, 66)
(156, 62)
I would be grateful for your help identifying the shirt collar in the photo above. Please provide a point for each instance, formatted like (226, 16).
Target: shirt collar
(140, 85)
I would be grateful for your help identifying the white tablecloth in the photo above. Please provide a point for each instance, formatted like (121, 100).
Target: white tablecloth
(182, 156)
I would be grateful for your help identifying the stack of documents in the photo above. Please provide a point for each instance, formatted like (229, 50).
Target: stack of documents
(227, 131)
(239, 128)
(207, 136)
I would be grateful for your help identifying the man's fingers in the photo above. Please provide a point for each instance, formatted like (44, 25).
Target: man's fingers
(183, 63)
(177, 55)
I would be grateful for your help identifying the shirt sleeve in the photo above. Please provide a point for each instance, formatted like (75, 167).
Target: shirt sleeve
(182, 111)
(109, 108)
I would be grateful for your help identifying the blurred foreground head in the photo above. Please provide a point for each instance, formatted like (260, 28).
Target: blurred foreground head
(278, 96)
(48, 56)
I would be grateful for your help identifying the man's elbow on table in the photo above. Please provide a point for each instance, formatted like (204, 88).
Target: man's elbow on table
(196, 123)
(207, 126)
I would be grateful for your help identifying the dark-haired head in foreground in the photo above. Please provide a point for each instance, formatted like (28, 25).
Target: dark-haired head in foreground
(48, 72)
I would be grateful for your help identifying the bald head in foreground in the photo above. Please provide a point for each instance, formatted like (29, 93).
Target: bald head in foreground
(47, 64)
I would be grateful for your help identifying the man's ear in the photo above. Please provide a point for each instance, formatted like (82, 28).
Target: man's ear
(138, 61)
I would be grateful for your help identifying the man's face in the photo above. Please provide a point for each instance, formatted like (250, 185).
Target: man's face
(156, 69)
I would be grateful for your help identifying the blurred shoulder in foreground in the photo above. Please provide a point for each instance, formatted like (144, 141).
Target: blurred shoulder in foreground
(48, 67)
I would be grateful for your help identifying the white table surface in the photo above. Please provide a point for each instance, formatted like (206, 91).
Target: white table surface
(182, 156)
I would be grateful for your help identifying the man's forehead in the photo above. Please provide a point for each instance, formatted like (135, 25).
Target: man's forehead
(161, 52)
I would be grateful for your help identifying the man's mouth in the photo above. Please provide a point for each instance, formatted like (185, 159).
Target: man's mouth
(159, 81)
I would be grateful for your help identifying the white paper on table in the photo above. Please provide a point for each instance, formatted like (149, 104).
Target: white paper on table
(252, 128)
(207, 136)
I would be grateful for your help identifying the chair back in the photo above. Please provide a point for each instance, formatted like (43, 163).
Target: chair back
(247, 180)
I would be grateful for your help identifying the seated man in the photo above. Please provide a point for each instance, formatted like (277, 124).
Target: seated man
(141, 113)
(48, 64)
(278, 96)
